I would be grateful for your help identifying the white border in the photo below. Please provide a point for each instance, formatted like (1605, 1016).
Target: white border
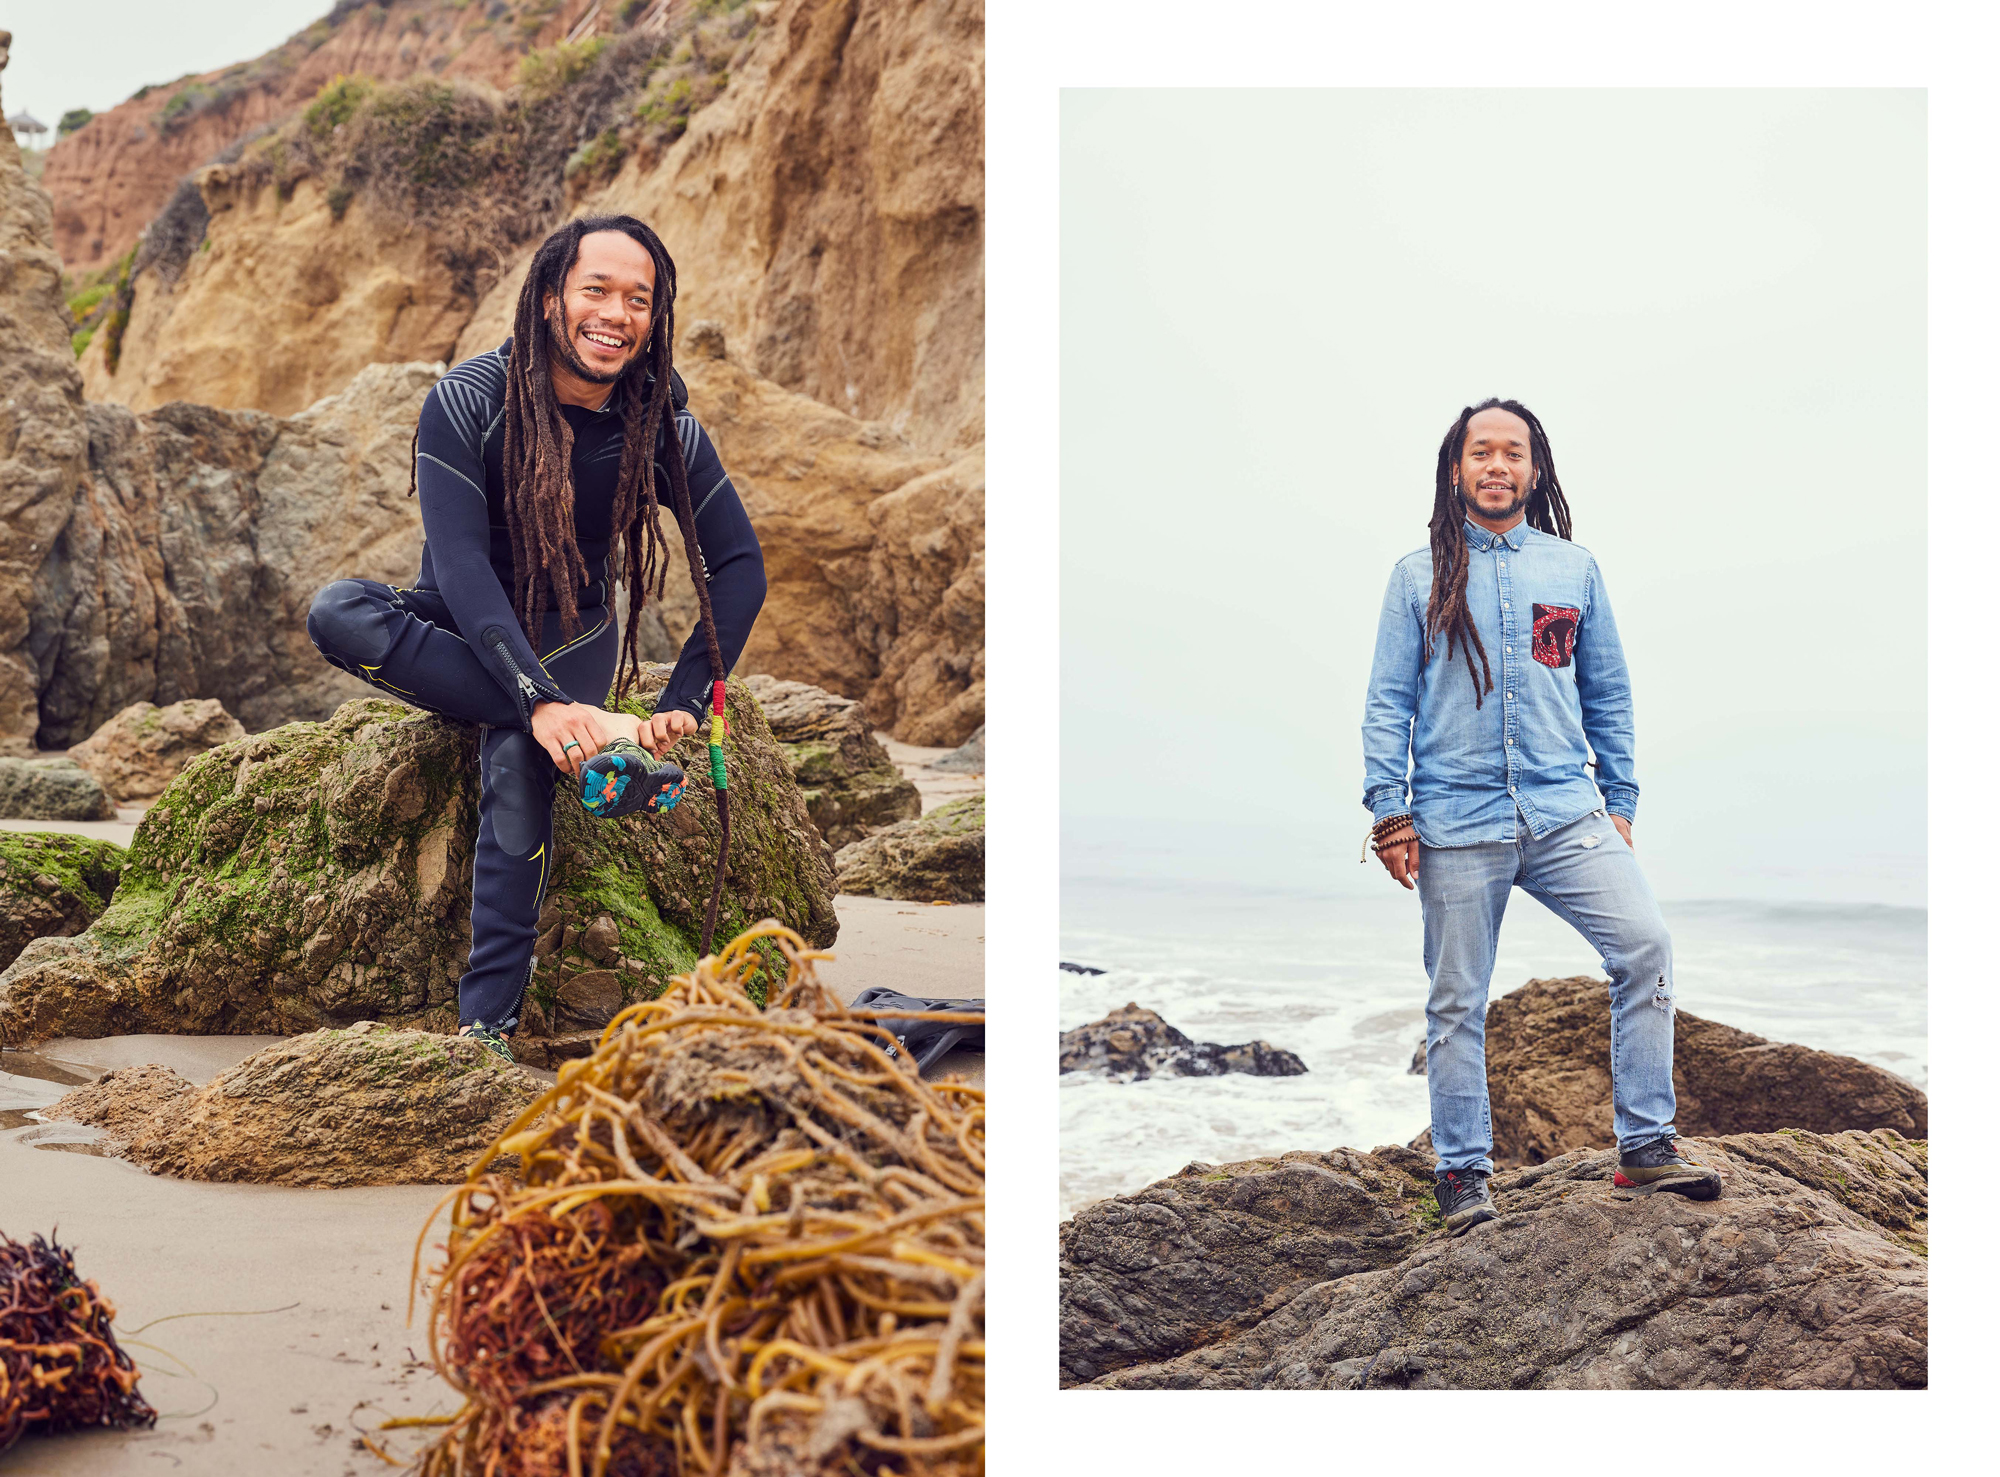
(1035, 47)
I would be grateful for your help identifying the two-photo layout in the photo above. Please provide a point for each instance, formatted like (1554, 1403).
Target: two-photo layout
(493, 697)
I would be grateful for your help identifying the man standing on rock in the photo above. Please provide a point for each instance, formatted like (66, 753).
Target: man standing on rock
(1497, 674)
(538, 467)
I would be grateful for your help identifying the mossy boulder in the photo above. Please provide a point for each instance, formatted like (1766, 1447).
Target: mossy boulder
(321, 873)
(52, 885)
(938, 858)
(52, 789)
(366, 1105)
(851, 785)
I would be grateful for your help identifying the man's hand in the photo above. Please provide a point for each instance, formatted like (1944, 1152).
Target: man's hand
(1400, 857)
(662, 731)
(571, 732)
(1624, 828)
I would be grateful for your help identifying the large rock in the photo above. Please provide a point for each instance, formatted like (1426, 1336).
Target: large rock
(186, 568)
(137, 752)
(1329, 1271)
(851, 784)
(362, 1106)
(320, 874)
(52, 789)
(52, 885)
(1548, 1072)
(42, 440)
(874, 552)
(1133, 1043)
(937, 858)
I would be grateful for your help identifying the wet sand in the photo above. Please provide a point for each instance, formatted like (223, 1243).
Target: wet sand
(287, 1341)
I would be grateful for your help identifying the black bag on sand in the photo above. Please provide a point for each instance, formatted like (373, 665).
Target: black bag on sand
(925, 1041)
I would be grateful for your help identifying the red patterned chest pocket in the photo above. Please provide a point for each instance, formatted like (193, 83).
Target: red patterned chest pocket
(1555, 634)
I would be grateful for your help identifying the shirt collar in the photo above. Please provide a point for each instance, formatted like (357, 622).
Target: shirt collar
(1483, 539)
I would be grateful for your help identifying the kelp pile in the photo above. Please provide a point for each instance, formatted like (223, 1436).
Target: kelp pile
(60, 1365)
(740, 1241)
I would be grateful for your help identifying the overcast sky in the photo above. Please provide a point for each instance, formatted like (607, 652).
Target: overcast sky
(98, 54)
(1274, 303)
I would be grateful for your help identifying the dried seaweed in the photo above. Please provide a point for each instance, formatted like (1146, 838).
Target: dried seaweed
(741, 1241)
(60, 1365)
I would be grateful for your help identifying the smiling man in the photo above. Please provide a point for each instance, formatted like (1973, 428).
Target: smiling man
(541, 467)
(1497, 674)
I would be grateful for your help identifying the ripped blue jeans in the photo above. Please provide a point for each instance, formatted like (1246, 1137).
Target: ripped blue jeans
(1586, 875)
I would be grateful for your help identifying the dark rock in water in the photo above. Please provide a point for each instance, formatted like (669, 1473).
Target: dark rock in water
(938, 858)
(52, 790)
(1330, 1271)
(321, 873)
(1080, 968)
(968, 758)
(1132, 1044)
(52, 885)
(851, 785)
(1548, 1070)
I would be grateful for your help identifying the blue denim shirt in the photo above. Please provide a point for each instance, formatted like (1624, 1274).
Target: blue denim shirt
(1473, 774)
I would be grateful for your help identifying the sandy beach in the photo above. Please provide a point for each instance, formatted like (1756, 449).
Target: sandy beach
(288, 1341)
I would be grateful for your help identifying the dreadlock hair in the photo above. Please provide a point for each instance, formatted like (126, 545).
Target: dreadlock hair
(1547, 511)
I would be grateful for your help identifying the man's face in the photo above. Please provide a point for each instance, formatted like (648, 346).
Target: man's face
(608, 301)
(1495, 469)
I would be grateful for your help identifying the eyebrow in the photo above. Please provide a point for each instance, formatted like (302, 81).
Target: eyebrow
(1483, 440)
(607, 277)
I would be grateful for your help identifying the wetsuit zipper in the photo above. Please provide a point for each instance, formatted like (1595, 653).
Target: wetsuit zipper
(527, 690)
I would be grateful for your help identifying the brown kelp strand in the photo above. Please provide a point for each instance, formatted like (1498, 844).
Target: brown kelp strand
(741, 1241)
(60, 1366)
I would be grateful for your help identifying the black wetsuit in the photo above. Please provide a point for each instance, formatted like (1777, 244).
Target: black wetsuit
(452, 644)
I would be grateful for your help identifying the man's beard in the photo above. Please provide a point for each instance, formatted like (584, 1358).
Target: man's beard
(1520, 501)
(565, 343)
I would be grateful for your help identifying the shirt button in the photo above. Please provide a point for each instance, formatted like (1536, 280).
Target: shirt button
(1510, 741)
(1505, 606)
(1503, 563)
(1510, 651)
(1510, 696)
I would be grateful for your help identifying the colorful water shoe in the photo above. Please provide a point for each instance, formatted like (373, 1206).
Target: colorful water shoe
(489, 1038)
(622, 778)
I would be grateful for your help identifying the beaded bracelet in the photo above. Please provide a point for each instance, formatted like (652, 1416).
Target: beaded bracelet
(1386, 826)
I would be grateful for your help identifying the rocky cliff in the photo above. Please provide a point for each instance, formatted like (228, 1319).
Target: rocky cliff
(114, 175)
(821, 187)
(199, 539)
(42, 438)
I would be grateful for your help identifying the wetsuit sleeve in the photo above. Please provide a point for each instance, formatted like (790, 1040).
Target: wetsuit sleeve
(734, 569)
(451, 490)
(1392, 701)
(1604, 691)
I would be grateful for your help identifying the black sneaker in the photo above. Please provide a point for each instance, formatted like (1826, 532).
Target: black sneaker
(489, 1038)
(621, 778)
(1659, 1166)
(1463, 1201)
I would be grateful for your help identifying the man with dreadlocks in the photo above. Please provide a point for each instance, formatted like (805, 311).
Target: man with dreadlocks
(539, 468)
(1497, 673)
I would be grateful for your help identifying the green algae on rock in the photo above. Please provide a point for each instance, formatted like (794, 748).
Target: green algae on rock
(366, 1105)
(937, 858)
(851, 785)
(320, 873)
(52, 885)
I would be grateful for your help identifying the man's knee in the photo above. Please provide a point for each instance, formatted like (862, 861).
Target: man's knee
(517, 784)
(1453, 1003)
(346, 620)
